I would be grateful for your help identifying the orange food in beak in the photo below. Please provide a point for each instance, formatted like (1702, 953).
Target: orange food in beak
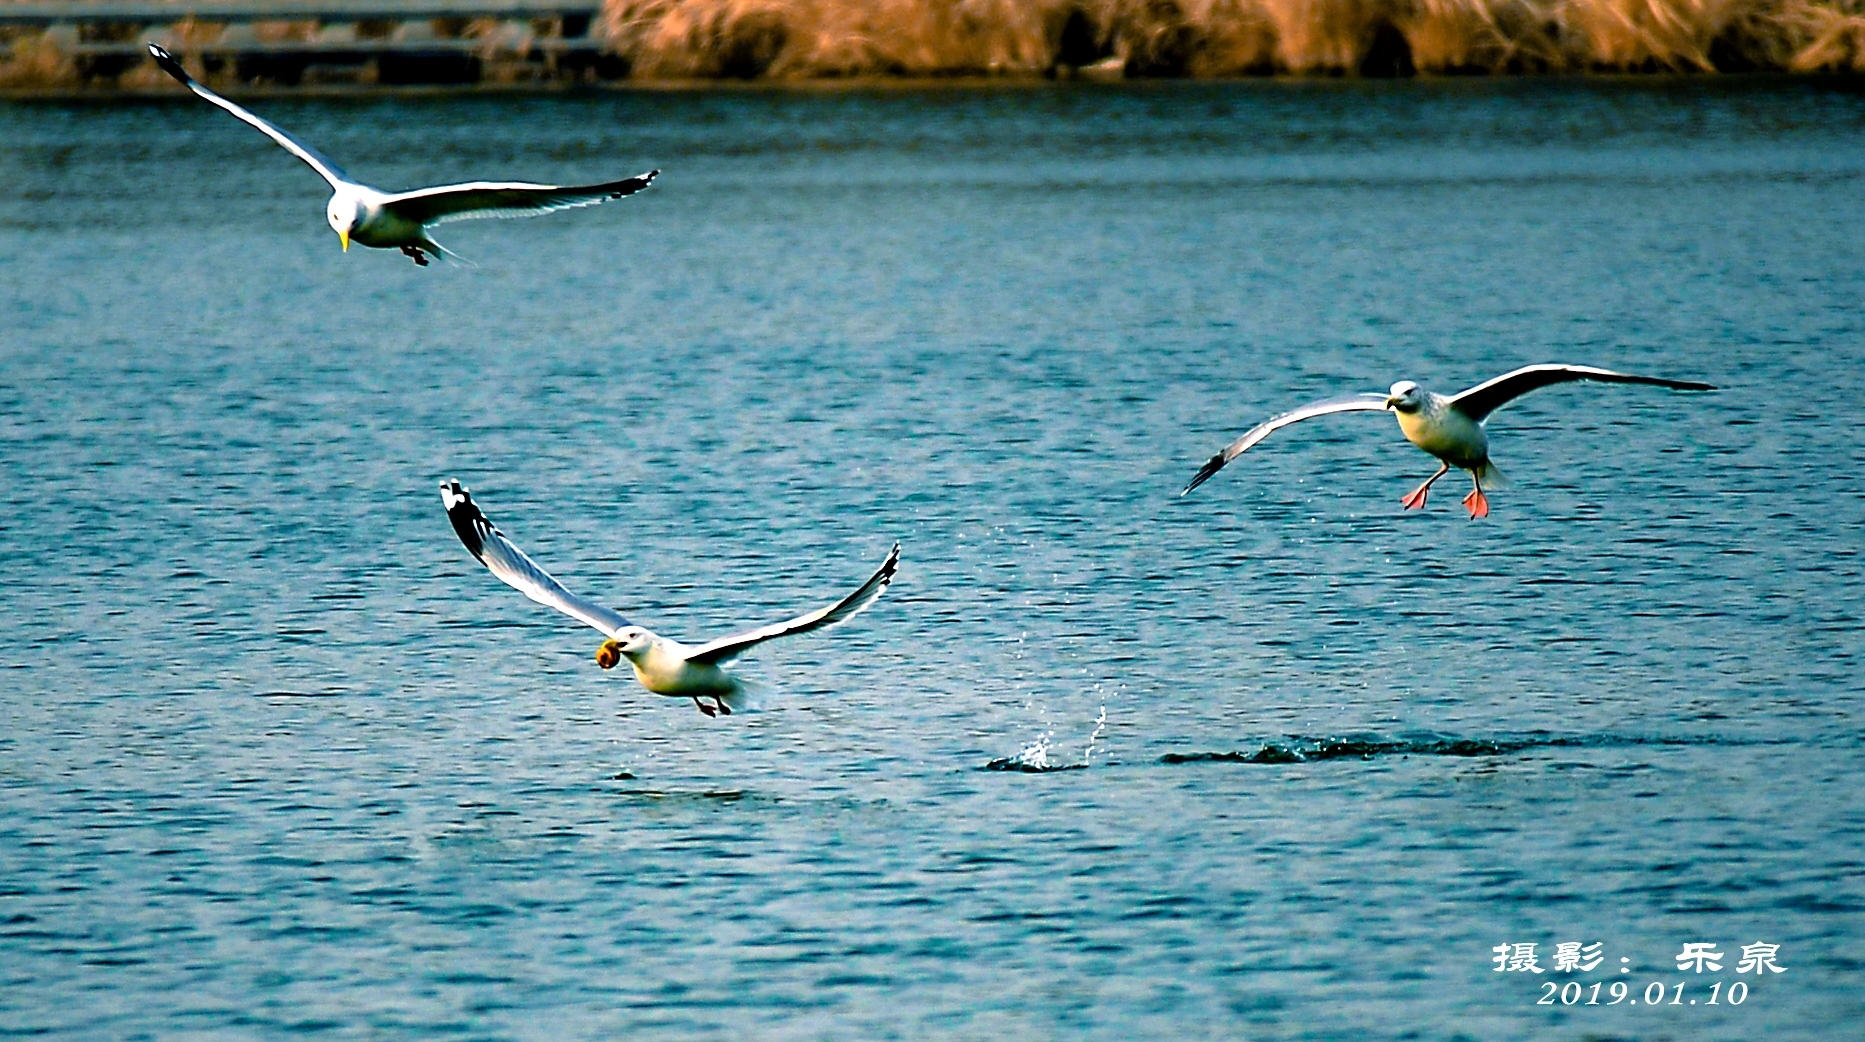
(608, 654)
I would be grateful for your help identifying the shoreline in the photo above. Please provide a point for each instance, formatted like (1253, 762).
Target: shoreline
(922, 84)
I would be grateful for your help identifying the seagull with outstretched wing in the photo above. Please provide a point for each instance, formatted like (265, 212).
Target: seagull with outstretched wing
(1450, 428)
(400, 220)
(663, 666)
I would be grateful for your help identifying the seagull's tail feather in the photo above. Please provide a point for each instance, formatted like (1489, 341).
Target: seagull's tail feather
(1490, 476)
(451, 257)
(749, 697)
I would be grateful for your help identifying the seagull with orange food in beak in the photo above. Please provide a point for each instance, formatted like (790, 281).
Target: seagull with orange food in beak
(400, 220)
(663, 666)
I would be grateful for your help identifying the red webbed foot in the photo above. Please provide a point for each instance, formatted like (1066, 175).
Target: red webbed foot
(1478, 504)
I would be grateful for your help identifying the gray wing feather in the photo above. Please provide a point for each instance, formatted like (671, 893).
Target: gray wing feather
(1479, 401)
(510, 564)
(726, 648)
(316, 160)
(505, 199)
(1357, 403)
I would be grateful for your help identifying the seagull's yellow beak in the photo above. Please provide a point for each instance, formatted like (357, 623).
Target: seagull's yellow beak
(345, 236)
(1392, 402)
(609, 654)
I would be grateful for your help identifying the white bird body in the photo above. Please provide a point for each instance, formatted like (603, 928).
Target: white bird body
(661, 665)
(665, 667)
(400, 220)
(375, 224)
(1448, 427)
(1445, 433)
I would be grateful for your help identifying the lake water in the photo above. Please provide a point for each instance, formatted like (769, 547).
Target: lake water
(277, 757)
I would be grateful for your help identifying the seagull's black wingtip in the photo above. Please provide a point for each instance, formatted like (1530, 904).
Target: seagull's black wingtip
(169, 64)
(1676, 385)
(885, 573)
(633, 184)
(465, 517)
(1211, 466)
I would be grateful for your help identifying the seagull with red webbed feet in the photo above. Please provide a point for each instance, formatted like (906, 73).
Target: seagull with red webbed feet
(1448, 427)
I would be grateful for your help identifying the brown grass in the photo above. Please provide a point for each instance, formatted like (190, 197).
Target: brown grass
(796, 39)
(35, 60)
(815, 39)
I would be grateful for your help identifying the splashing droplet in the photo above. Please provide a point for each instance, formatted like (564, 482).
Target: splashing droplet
(1100, 724)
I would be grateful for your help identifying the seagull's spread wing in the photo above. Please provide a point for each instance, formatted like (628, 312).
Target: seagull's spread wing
(326, 169)
(726, 648)
(1479, 401)
(505, 199)
(515, 569)
(1357, 403)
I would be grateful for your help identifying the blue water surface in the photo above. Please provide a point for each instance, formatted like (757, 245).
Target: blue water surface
(278, 758)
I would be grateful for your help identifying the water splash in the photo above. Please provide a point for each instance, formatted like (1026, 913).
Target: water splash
(1034, 757)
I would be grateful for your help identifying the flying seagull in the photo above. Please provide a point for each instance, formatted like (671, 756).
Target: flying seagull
(400, 220)
(663, 666)
(1450, 428)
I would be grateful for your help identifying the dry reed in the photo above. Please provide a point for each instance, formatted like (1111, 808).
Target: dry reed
(791, 39)
(804, 39)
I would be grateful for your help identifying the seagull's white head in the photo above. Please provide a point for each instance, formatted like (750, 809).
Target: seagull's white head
(629, 643)
(1405, 396)
(344, 213)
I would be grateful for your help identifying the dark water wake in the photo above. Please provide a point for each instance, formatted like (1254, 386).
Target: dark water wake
(1305, 749)
(1018, 765)
(1310, 749)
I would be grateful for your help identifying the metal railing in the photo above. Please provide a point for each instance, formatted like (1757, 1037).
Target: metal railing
(108, 36)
